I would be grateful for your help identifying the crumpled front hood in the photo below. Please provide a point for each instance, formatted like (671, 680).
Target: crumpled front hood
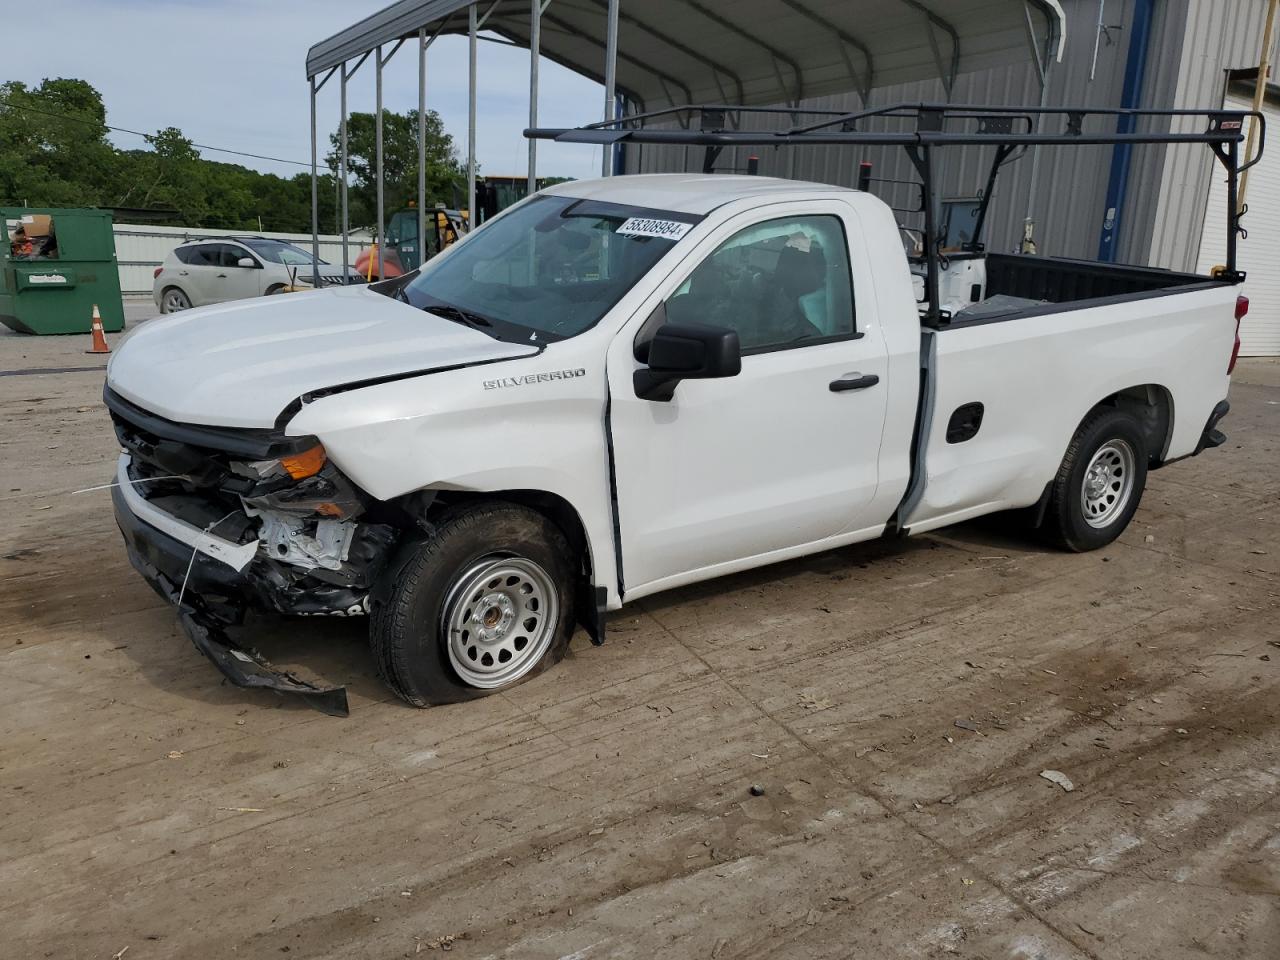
(240, 364)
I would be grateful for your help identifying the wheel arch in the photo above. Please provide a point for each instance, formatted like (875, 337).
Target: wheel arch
(427, 506)
(1151, 404)
(174, 285)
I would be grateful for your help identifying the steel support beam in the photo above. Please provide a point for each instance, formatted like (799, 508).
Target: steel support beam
(690, 52)
(649, 68)
(535, 45)
(867, 80)
(315, 197)
(343, 163)
(773, 51)
(377, 151)
(345, 226)
(610, 82)
(1044, 66)
(422, 146)
(472, 27)
(946, 74)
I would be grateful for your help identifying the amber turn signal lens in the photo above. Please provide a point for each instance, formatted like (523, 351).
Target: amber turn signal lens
(304, 464)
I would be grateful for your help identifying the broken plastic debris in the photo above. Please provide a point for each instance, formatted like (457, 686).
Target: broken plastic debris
(1060, 778)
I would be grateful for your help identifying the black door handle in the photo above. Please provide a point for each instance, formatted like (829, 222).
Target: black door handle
(855, 381)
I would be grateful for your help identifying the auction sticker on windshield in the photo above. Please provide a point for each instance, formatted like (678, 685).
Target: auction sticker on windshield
(648, 227)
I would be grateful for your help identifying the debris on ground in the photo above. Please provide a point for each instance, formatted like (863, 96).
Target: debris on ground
(967, 725)
(1060, 778)
(812, 702)
(447, 941)
(757, 790)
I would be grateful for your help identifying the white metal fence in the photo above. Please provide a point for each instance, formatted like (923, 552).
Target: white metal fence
(140, 248)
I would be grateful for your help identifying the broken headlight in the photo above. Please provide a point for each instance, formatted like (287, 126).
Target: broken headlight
(297, 466)
(302, 485)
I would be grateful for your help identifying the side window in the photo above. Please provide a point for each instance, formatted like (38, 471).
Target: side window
(230, 255)
(204, 255)
(780, 284)
(192, 254)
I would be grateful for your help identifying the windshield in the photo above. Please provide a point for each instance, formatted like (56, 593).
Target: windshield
(549, 268)
(277, 251)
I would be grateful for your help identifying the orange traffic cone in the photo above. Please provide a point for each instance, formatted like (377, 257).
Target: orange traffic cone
(99, 338)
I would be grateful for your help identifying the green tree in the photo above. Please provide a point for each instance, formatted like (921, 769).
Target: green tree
(54, 152)
(446, 177)
(53, 143)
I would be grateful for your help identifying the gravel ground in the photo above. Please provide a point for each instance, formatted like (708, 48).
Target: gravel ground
(896, 702)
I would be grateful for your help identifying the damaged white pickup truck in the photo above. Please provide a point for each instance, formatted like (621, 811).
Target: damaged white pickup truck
(624, 385)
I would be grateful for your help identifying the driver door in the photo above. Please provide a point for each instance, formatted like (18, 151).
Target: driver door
(734, 472)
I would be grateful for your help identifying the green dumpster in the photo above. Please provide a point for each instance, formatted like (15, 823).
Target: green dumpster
(57, 264)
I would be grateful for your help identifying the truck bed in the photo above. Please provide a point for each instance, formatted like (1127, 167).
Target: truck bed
(1021, 285)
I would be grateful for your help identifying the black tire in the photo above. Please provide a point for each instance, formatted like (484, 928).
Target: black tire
(1065, 522)
(407, 629)
(272, 290)
(174, 300)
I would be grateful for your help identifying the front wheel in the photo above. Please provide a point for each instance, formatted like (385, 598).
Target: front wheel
(1100, 483)
(483, 604)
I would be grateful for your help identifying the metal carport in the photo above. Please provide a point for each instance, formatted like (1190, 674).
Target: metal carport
(663, 53)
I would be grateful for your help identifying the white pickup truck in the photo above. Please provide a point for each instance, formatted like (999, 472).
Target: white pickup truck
(624, 385)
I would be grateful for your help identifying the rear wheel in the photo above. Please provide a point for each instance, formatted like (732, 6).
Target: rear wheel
(482, 605)
(1100, 483)
(173, 300)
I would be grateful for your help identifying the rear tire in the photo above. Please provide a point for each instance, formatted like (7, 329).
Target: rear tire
(484, 604)
(173, 300)
(1100, 483)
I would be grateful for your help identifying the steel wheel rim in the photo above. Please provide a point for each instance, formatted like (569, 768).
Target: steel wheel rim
(1108, 483)
(174, 301)
(499, 619)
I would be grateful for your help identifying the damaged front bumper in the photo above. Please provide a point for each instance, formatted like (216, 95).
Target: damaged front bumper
(211, 581)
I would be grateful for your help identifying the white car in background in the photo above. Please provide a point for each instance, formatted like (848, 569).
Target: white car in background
(201, 272)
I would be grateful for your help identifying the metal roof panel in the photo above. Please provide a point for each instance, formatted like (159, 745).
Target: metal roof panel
(742, 51)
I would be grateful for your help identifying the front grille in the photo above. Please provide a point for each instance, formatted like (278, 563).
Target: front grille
(194, 462)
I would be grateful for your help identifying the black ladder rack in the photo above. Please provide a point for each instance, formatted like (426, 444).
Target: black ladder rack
(920, 128)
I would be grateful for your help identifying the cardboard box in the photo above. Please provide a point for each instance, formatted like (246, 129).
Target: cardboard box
(36, 224)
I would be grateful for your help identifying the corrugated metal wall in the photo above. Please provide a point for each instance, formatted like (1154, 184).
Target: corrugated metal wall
(1192, 42)
(1220, 35)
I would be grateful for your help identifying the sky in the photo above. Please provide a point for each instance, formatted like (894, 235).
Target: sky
(231, 73)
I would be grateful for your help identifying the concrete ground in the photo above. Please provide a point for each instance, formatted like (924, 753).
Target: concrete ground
(896, 701)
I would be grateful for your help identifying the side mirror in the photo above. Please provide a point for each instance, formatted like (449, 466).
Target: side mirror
(246, 262)
(687, 351)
